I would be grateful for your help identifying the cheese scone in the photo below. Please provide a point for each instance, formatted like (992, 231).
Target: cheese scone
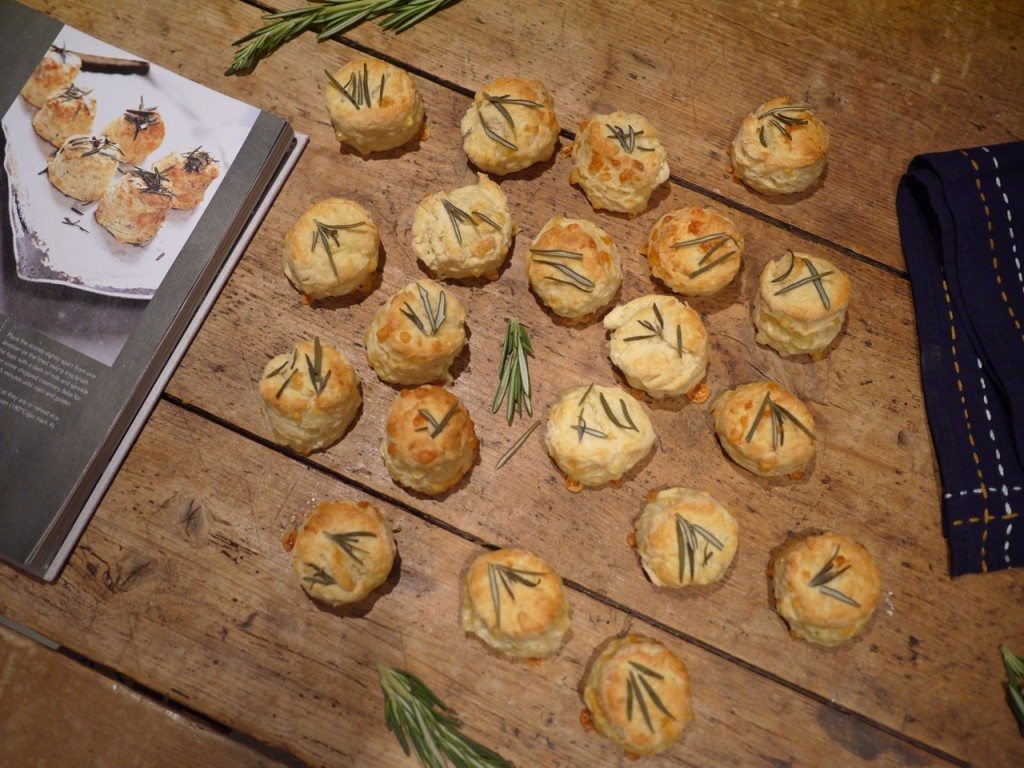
(514, 601)
(429, 442)
(660, 345)
(189, 174)
(58, 69)
(135, 207)
(138, 132)
(310, 396)
(800, 304)
(781, 147)
(465, 232)
(65, 113)
(84, 167)
(695, 251)
(343, 551)
(510, 126)
(638, 694)
(618, 161)
(374, 106)
(826, 587)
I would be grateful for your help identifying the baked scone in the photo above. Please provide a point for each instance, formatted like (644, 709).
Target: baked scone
(65, 113)
(765, 429)
(84, 167)
(417, 334)
(135, 207)
(374, 106)
(310, 396)
(510, 126)
(638, 694)
(343, 551)
(695, 251)
(58, 69)
(618, 161)
(138, 132)
(826, 587)
(781, 147)
(332, 249)
(597, 434)
(514, 601)
(800, 304)
(660, 345)
(465, 232)
(429, 441)
(574, 268)
(189, 174)
(685, 537)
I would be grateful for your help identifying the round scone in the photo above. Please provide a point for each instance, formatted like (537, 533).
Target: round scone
(416, 335)
(685, 537)
(64, 114)
(514, 602)
(597, 434)
(465, 232)
(374, 106)
(574, 268)
(189, 174)
(638, 694)
(780, 148)
(765, 429)
(695, 251)
(826, 587)
(800, 304)
(510, 126)
(138, 132)
(332, 249)
(343, 551)
(135, 207)
(84, 167)
(660, 345)
(429, 441)
(618, 161)
(310, 396)
(57, 70)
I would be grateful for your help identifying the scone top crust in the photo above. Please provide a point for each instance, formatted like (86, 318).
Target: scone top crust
(331, 249)
(618, 160)
(638, 693)
(138, 131)
(781, 147)
(84, 166)
(189, 174)
(465, 232)
(342, 551)
(57, 69)
(659, 343)
(515, 593)
(804, 287)
(510, 125)
(685, 536)
(574, 267)
(695, 251)
(314, 375)
(84, 151)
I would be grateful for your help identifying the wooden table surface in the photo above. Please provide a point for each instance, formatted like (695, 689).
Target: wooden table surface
(178, 613)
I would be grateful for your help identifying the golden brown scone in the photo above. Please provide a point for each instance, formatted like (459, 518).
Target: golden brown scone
(765, 429)
(695, 251)
(417, 334)
(638, 694)
(310, 396)
(84, 167)
(618, 161)
(780, 148)
(574, 268)
(660, 345)
(343, 551)
(597, 434)
(189, 174)
(65, 113)
(135, 207)
(800, 304)
(332, 249)
(138, 132)
(57, 70)
(826, 587)
(465, 232)
(373, 105)
(685, 537)
(514, 601)
(510, 126)
(429, 441)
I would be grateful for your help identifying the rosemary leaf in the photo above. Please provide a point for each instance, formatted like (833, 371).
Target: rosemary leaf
(557, 253)
(701, 270)
(585, 394)
(758, 416)
(283, 386)
(792, 263)
(496, 137)
(349, 542)
(837, 595)
(612, 417)
(581, 280)
(516, 445)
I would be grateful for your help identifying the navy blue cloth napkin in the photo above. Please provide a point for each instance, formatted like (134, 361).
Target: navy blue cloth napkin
(961, 217)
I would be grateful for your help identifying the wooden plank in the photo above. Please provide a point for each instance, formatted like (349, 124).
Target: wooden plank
(39, 688)
(181, 582)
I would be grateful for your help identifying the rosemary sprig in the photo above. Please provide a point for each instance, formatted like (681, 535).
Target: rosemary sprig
(196, 160)
(141, 118)
(319, 576)
(1014, 682)
(815, 277)
(582, 428)
(516, 445)
(627, 139)
(686, 542)
(97, 146)
(153, 181)
(638, 687)
(657, 331)
(325, 231)
(499, 102)
(76, 223)
(612, 417)
(826, 575)
(357, 89)
(514, 372)
(506, 576)
(314, 368)
(437, 427)
(435, 318)
(779, 415)
(74, 93)
(349, 543)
